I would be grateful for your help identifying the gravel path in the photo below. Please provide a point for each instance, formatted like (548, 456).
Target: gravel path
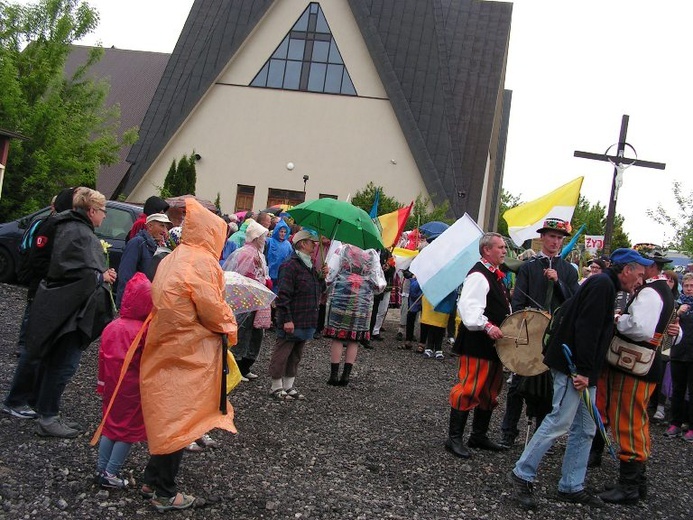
(371, 450)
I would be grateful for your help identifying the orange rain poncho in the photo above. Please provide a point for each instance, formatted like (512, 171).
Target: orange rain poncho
(180, 372)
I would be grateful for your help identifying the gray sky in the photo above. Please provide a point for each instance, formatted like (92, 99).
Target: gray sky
(574, 68)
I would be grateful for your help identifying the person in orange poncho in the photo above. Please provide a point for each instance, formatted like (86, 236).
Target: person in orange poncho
(181, 368)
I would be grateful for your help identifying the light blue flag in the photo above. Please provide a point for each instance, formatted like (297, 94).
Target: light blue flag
(570, 245)
(374, 208)
(442, 266)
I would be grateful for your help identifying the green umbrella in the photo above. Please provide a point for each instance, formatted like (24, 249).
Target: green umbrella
(338, 220)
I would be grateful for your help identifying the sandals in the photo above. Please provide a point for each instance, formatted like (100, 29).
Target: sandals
(146, 492)
(180, 501)
(295, 394)
(281, 395)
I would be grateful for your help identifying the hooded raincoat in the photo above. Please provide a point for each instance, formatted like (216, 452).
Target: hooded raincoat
(278, 251)
(124, 422)
(180, 373)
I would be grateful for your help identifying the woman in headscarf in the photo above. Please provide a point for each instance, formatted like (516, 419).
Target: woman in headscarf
(354, 276)
(250, 261)
(181, 368)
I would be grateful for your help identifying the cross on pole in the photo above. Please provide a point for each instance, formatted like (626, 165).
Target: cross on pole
(621, 163)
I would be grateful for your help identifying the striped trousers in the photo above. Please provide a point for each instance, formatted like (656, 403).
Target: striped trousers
(622, 401)
(480, 383)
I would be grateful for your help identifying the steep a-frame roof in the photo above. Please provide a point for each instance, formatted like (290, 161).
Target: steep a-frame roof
(442, 63)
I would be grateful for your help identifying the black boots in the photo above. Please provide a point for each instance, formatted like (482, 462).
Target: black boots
(627, 491)
(334, 374)
(455, 444)
(345, 374)
(334, 379)
(479, 438)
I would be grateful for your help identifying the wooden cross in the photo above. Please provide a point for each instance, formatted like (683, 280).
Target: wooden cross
(620, 163)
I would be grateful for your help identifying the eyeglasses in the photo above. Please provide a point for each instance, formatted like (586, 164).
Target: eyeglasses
(102, 211)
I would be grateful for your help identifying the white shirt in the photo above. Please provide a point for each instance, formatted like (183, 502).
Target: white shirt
(472, 302)
(643, 315)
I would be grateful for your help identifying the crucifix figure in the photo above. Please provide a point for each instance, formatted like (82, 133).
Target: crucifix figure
(621, 163)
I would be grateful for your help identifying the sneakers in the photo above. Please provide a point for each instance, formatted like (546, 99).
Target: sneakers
(688, 437)
(451, 340)
(581, 497)
(251, 376)
(108, 481)
(207, 441)
(244, 379)
(21, 412)
(428, 353)
(673, 431)
(523, 491)
(55, 427)
(439, 355)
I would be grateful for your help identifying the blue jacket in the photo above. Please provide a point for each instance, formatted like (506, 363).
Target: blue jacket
(278, 250)
(137, 257)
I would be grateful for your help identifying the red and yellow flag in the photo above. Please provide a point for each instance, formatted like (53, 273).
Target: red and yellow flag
(393, 224)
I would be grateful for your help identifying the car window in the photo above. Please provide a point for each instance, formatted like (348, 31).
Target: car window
(25, 221)
(117, 224)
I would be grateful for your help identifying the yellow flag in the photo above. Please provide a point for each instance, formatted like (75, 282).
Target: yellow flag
(524, 220)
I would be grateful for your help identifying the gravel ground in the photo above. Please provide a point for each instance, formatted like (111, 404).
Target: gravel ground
(371, 450)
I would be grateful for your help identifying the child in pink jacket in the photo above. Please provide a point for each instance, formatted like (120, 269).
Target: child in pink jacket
(125, 424)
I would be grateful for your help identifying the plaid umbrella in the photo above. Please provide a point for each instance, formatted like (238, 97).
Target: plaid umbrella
(585, 394)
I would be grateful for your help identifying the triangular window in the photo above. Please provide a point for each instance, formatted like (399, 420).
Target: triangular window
(307, 59)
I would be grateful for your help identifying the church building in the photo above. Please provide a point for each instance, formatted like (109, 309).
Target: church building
(289, 100)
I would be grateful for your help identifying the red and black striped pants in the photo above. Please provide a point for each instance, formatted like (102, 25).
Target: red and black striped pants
(622, 401)
(480, 383)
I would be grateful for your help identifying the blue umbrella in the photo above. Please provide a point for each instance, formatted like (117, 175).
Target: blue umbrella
(592, 407)
(433, 229)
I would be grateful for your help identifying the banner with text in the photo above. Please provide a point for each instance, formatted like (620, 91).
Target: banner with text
(594, 243)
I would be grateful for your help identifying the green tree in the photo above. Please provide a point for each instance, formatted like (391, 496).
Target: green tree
(386, 204)
(680, 220)
(190, 175)
(364, 200)
(72, 134)
(170, 182)
(180, 179)
(508, 200)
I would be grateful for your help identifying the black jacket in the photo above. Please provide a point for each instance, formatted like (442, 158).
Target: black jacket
(73, 297)
(531, 286)
(586, 326)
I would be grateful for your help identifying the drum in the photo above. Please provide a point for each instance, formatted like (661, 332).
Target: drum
(520, 347)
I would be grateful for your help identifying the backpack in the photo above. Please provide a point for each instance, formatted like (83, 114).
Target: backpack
(24, 270)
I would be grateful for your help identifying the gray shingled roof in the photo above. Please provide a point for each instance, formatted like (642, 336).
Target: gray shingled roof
(134, 77)
(442, 63)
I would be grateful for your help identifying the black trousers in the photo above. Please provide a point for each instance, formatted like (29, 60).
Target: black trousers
(161, 471)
